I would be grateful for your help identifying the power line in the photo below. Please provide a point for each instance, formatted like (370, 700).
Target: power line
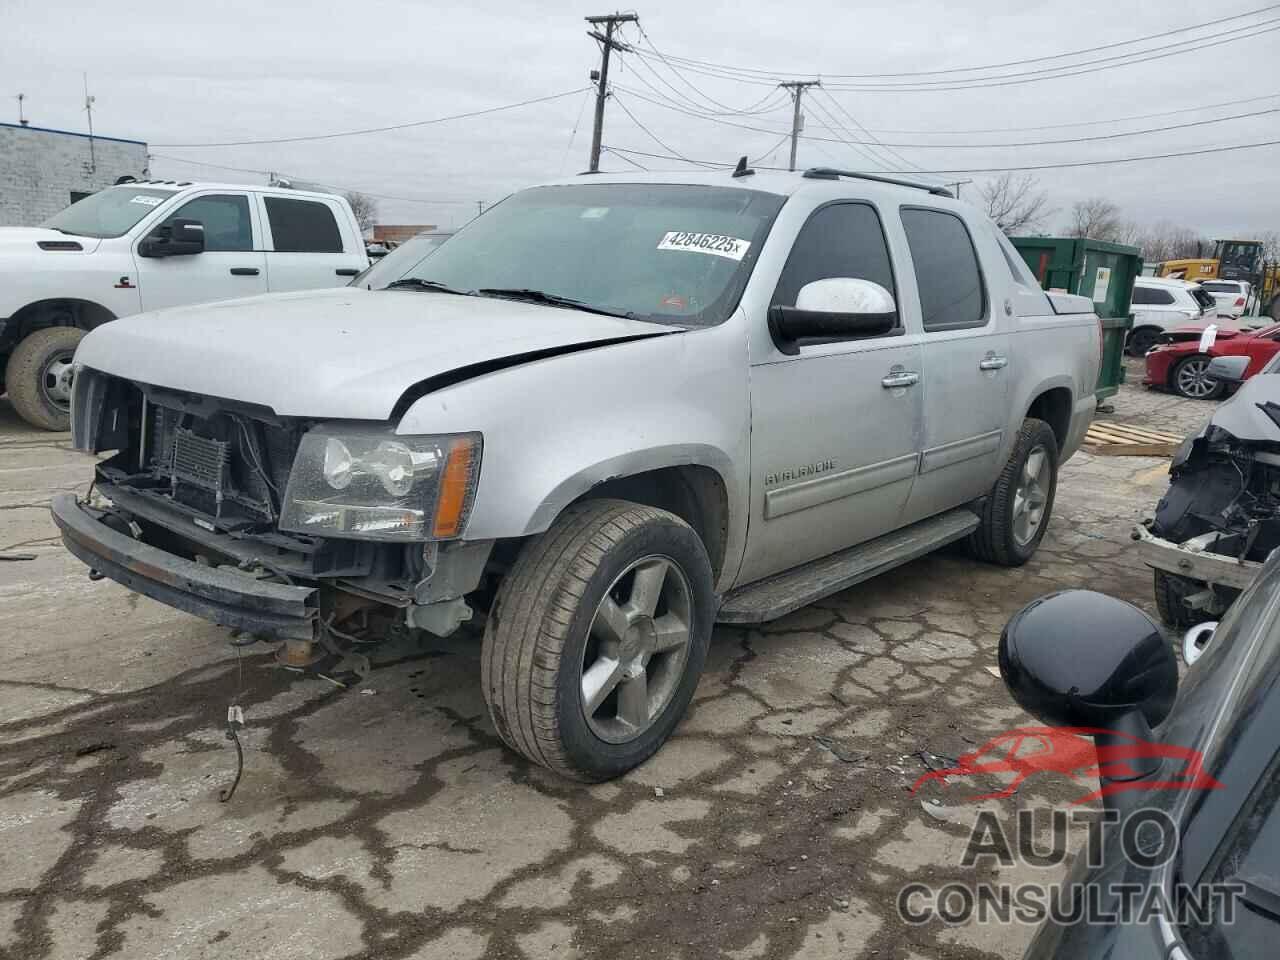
(1079, 123)
(335, 186)
(887, 146)
(865, 132)
(1198, 27)
(706, 96)
(1033, 76)
(574, 135)
(1040, 166)
(394, 126)
(652, 136)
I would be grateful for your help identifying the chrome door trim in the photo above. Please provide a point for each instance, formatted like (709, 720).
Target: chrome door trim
(815, 491)
(957, 451)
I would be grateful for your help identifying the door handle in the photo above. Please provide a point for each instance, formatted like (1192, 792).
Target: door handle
(244, 271)
(901, 378)
(346, 271)
(992, 362)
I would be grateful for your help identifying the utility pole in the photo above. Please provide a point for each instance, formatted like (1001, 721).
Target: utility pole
(22, 117)
(797, 88)
(88, 109)
(601, 76)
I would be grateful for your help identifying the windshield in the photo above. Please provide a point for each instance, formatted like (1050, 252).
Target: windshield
(666, 253)
(108, 213)
(398, 262)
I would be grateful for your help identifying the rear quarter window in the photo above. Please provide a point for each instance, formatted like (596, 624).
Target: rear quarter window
(302, 226)
(1152, 296)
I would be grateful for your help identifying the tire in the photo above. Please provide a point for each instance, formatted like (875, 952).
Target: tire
(1170, 590)
(542, 638)
(1142, 340)
(1002, 537)
(1188, 380)
(39, 392)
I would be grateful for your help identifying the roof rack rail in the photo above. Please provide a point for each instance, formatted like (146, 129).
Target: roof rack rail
(831, 173)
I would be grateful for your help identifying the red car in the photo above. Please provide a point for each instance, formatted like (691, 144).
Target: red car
(1069, 752)
(1177, 363)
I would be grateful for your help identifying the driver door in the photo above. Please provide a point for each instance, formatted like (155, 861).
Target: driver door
(232, 264)
(835, 425)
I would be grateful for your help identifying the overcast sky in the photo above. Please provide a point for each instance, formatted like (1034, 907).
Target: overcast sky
(182, 72)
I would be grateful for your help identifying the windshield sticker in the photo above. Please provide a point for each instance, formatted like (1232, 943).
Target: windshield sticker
(593, 213)
(716, 244)
(148, 201)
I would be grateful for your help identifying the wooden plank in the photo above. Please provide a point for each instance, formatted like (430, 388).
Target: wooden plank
(1128, 430)
(1135, 449)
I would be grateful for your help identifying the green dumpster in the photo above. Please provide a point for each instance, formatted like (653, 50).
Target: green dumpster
(1104, 272)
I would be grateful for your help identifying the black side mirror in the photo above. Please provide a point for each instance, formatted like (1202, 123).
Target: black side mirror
(1085, 660)
(178, 238)
(1228, 369)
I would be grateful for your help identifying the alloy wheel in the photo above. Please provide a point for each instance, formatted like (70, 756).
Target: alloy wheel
(1193, 379)
(1031, 495)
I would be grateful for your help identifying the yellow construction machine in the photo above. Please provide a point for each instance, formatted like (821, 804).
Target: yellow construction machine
(1234, 260)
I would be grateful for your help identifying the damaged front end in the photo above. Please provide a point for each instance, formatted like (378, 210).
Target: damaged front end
(288, 530)
(1220, 518)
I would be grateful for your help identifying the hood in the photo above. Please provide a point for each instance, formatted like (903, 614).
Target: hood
(1240, 416)
(24, 240)
(344, 353)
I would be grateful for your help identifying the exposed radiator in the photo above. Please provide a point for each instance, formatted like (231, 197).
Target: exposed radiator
(202, 462)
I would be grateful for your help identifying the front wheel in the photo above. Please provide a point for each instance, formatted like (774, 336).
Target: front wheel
(1015, 515)
(597, 638)
(1190, 379)
(38, 377)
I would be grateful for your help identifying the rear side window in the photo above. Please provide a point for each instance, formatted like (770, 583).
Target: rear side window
(226, 221)
(952, 296)
(302, 226)
(1151, 296)
(1203, 299)
(840, 240)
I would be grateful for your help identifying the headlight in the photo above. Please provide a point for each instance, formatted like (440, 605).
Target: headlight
(374, 485)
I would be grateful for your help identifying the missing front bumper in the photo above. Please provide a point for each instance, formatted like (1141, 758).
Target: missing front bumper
(1193, 559)
(212, 593)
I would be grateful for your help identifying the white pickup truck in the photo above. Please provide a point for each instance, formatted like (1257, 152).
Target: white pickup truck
(146, 245)
(606, 413)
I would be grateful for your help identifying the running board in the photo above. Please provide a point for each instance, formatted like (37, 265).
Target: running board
(782, 593)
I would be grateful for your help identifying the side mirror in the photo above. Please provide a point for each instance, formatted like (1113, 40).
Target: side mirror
(178, 238)
(1083, 659)
(1227, 369)
(838, 307)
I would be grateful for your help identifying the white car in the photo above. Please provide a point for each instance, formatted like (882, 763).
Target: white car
(146, 245)
(1160, 305)
(1231, 296)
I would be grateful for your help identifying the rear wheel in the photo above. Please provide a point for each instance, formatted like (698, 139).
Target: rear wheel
(1016, 513)
(597, 638)
(1142, 340)
(1190, 379)
(38, 377)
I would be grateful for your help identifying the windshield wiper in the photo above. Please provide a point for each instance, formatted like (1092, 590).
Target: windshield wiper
(416, 283)
(550, 299)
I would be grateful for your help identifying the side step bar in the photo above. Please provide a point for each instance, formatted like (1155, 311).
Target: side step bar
(782, 593)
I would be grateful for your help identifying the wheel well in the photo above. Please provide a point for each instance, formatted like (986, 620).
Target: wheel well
(59, 312)
(1054, 408)
(695, 494)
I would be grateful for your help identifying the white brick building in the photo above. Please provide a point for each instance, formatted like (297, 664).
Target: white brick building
(42, 171)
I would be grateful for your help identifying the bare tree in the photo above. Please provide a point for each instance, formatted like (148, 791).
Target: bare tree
(364, 207)
(1096, 218)
(1016, 204)
(1270, 241)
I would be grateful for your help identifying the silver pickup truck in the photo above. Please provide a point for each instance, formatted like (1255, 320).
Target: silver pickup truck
(606, 414)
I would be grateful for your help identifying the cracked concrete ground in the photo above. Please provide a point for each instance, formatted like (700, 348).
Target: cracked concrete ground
(388, 822)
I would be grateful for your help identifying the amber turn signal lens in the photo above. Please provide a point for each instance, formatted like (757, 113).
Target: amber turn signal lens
(454, 488)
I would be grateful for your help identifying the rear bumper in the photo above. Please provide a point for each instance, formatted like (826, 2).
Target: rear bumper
(213, 593)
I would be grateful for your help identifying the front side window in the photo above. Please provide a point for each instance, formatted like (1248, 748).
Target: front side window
(225, 217)
(952, 295)
(109, 213)
(302, 226)
(665, 253)
(839, 240)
